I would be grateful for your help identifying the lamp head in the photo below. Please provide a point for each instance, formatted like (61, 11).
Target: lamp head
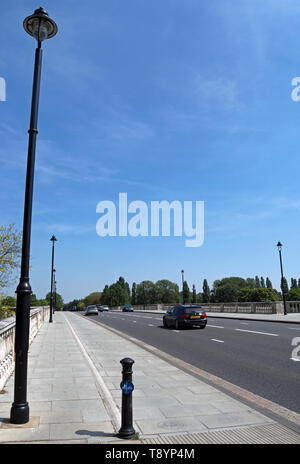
(39, 25)
(279, 246)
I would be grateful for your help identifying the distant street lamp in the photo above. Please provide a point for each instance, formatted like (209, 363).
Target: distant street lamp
(41, 27)
(54, 291)
(279, 246)
(182, 275)
(53, 240)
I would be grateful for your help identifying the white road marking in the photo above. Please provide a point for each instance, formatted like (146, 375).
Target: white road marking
(215, 340)
(218, 326)
(293, 328)
(150, 325)
(261, 333)
(295, 359)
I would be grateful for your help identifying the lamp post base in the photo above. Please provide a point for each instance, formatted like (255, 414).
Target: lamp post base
(126, 433)
(19, 413)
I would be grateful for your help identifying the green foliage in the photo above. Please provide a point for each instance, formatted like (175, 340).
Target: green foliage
(166, 292)
(92, 299)
(80, 306)
(7, 307)
(46, 301)
(293, 294)
(294, 283)
(186, 294)
(117, 294)
(146, 293)
(133, 294)
(10, 253)
(206, 292)
(5, 312)
(9, 301)
(284, 285)
(227, 289)
(268, 283)
(258, 295)
(194, 295)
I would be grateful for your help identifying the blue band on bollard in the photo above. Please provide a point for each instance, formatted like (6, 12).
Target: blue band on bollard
(127, 387)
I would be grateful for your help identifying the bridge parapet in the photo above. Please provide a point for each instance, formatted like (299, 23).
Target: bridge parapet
(7, 339)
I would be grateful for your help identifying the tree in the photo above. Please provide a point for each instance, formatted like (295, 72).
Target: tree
(250, 282)
(80, 306)
(262, 282)
(105, 297)
(227, 289)
(284, 285)
(166, 292)
(92, 299)
(200, 297)
(124, 291)
(146, 293)
(206, 292)
(257, 282)
(186, 296)
(294, 283)
(33, 299)
(194, 295)
(59, 301)
(268, 283)
(117, 294)
(293, 294)
(133, 294)
(10, 253)
(257, 295)
(226, 294)
(9, 301)
(46, 302)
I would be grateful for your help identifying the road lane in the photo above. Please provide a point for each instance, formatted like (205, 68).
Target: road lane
(251, 359)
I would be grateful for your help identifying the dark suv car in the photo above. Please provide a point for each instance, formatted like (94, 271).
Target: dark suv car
(127, 308)
(185, 316)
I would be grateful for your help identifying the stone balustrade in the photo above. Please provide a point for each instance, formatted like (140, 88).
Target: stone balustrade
(272, 307)
(7, 339)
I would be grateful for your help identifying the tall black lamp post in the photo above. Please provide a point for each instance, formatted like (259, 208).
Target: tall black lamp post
(182, 275)
(53, 240)
(41, 27)
(279, 246)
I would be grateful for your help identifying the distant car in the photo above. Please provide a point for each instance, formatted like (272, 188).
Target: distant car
(99, 307)
(185, 316)
(127, 308)
(105, 308)
(91, 309)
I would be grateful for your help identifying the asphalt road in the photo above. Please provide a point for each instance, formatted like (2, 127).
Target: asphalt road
(257, 356)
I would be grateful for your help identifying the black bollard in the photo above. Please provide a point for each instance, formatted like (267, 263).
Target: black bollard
(127, 431)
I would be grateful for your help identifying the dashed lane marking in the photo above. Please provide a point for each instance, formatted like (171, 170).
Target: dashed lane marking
(255, 332)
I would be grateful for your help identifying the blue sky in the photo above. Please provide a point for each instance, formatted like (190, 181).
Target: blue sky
(172, 100)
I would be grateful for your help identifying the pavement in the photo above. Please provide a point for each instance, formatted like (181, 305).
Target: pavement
(74, 395)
